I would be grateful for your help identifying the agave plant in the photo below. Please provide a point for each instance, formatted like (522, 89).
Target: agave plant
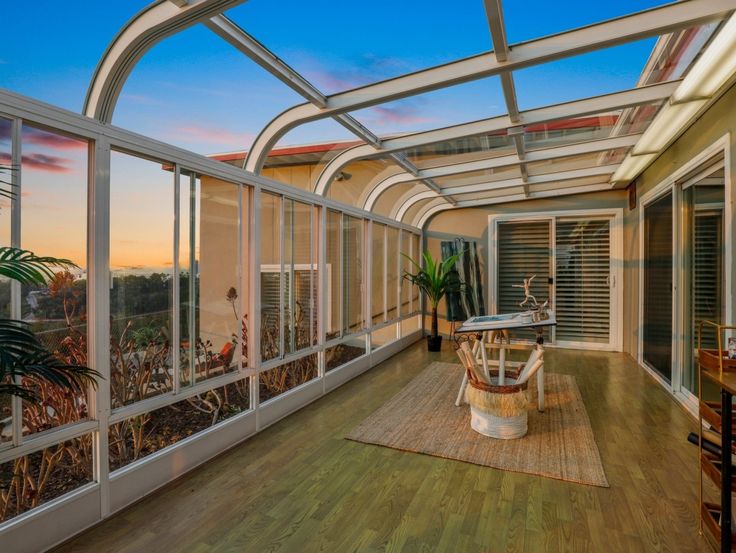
(435, 279)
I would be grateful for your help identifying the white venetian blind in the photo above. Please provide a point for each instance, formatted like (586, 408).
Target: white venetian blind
(707, 271)
(582, 287)
(523, 251)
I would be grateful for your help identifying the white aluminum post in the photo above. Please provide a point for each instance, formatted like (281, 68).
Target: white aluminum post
(255, 300)
(98, 306)
(176, 300)
(15, 241)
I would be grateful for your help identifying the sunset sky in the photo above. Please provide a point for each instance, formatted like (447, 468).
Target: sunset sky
(195, 91)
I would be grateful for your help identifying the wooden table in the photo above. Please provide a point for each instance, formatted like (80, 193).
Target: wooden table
(483, 327)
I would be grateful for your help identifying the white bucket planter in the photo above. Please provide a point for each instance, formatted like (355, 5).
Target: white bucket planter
(503, 428)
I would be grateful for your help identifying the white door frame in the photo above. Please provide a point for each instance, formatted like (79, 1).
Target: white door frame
(617, 266)
(671, 183)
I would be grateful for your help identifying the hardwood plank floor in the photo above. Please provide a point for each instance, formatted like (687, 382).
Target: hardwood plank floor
(299, 486)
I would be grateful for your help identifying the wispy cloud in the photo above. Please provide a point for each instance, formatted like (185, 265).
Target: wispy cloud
(398, 115)
(192, 133)
(50, 140)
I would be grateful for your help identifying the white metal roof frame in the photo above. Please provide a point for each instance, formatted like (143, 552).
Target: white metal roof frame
(164, 18)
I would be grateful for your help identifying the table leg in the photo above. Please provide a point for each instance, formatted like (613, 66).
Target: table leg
(540, 389)
(501, 366)
(484, 359)
(726, 469)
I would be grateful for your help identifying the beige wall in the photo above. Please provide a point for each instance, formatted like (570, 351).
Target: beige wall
(713, 125)
(472, 224)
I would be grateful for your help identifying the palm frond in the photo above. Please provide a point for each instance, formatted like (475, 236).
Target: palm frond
(28, 268)
(22, 355)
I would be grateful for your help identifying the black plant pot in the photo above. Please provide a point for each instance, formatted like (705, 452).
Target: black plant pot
(434, 343)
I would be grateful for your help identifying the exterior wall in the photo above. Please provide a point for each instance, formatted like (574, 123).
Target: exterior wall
(718, 121)
(472, 224)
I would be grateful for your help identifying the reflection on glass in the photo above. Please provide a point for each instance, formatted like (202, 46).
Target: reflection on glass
(340, 354)
(45, 475)
(5, 179)
(462, 150)
(283, 378)
(208, 277)
(54, 223)
(271, 276)
(703, 205)
(378, 274)
(405, 265)
(383, 336)
(353, 319)
(141, 265)
(300, 276)
(657, 316)
(579, 161)
(137, 437)
(334, 274)
(416, 256)
(392, 272)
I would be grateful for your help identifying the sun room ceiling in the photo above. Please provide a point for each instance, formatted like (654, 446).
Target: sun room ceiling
(502, 107)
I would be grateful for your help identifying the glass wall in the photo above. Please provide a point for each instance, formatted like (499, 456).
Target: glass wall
(142, 277)
(179, 271)
(378, 274)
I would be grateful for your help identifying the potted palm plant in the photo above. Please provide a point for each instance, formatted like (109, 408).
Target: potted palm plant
(435, 279)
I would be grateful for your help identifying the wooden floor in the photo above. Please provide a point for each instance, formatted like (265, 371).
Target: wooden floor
(300, 487)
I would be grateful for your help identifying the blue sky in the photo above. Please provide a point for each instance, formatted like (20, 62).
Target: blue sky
(195, 91)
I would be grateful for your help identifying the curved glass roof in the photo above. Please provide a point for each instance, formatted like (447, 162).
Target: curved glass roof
(395, 108)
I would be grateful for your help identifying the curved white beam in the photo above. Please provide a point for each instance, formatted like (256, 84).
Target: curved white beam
(653, 22)
(423, 216)
(544, 154)
(151, 25)
(560, 176)
(567, 110)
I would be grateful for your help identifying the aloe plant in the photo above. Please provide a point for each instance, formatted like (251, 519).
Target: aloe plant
(434, 279)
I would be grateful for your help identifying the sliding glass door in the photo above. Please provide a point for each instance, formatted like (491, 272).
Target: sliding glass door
(571, 256)
(657, 286)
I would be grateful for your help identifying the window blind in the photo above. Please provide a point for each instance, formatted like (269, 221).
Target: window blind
(523, 251)
(582, 287)
(707, 271)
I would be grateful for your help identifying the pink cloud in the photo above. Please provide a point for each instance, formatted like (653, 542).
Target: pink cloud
(50, 140)
(213, 135)
(46, 163)
(398, 115)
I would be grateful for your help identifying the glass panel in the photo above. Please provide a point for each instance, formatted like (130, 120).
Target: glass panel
(657, 316)
(394, 197)
(704, 274)
(591, 127)
(334, 276)
(137, 437)
(460, 103)
(54, 223)
(581, 161)
(523, 251)
(411, 325)
(479, 177)
(208, 274)
(461, 150)
(275, 382)
(392, 272)
(300, 276)
(417, 256)
(353, 320)
(375, 44)
(383, 336)
(406, 267)
(141, 265)
(546, 20)
(378, 276)
(582, 280)
(205, 105)
(352, 185)
(270, 231)
(6, 425)
(591, 74)
(35, 479)
(340, 354)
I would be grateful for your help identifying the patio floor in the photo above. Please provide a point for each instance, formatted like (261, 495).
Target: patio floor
(299, 486)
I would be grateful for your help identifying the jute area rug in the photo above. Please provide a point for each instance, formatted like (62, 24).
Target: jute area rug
(423, 418)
